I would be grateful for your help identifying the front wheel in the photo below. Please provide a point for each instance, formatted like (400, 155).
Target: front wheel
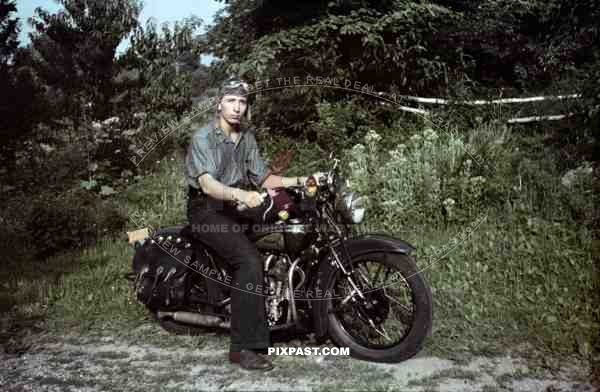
(390, 322)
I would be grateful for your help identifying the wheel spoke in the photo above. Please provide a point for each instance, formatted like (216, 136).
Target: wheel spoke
(403, 306)
(380, 266)
(387, 274)
(345, 300)
(405, 311)
(364, 278)
(382, 333)
(375, 327)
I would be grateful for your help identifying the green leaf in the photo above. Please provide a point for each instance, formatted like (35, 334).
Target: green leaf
(88, 184)
(107, 190)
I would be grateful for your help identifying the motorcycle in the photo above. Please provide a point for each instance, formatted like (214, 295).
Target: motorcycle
(362, 291)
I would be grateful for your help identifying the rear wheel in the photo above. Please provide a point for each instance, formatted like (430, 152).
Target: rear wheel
(393, 319)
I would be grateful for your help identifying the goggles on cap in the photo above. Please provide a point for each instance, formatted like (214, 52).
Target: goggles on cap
(234, 84)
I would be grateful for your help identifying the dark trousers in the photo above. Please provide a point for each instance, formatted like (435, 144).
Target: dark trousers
(219, 225)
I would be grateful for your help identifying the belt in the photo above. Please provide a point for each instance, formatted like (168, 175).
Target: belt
(197, 194)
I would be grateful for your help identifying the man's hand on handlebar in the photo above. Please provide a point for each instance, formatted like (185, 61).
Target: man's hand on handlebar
(249, 199)
(252, 199)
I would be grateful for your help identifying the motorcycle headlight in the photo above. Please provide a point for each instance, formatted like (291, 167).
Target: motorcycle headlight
(352, 207)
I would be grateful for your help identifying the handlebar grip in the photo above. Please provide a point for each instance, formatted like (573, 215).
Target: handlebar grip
(242, 206)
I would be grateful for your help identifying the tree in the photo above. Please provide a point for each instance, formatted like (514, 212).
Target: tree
(164, 62)
(435, 47)
(74, 50)
(385, 44)
(9, 30)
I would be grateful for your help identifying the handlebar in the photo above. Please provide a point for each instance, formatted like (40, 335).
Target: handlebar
(325, 179)
(242, 206)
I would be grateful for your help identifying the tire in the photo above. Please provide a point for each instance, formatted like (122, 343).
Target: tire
(420, 328)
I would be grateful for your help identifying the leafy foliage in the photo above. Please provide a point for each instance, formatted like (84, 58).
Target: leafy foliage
(73, 51)
(19, 101)
(72, 115)
(163, 62)
(519, 220)
(74, 220)
(8, 31)
(403, 47)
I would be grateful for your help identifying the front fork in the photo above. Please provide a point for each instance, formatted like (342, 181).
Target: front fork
(338, 261)
(367, 304)
(347, 271)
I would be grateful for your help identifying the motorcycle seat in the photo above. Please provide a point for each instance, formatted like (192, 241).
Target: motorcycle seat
(182, 234)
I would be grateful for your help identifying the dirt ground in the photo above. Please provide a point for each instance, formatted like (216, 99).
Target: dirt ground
(108, 363)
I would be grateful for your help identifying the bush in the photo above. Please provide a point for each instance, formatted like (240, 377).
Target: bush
(70, 220)
(430, 178)
(341, 123)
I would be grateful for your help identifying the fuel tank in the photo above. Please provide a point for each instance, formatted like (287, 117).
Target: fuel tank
(290, 236)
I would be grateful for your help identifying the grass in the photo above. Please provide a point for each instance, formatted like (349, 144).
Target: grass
(525, 272)
(520, 280)
(97, 295)
(507, 285)
(157, 199)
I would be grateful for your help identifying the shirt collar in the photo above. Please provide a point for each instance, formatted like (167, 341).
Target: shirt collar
(224, 138)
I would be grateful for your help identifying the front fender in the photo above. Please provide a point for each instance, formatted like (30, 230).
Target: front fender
(356, 246)
(368, 243)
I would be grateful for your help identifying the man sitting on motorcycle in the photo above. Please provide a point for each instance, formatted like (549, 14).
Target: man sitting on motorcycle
(221, 160)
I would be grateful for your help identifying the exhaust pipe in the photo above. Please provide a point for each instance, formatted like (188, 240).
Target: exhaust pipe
(195, 319)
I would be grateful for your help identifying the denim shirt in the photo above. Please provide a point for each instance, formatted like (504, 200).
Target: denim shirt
(236, 164)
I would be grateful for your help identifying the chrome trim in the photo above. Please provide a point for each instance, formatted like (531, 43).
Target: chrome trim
(195, 319)
(268, 209)
(267, 262)
(293, 312)
(285, 228)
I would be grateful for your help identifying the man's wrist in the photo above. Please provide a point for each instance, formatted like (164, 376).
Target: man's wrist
(236, 194)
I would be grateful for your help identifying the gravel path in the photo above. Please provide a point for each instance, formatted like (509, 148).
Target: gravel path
(83, 363)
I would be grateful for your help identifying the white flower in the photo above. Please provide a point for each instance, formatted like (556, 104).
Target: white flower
(372, 137)
(478, 179)
(396, 154)
(449, 202)
(110, 121)
(569, 177)
(415, 138)
(46, 147)
(430, 134)
(358, 149)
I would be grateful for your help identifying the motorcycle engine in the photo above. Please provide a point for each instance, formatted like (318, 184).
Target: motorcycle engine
(277, 280)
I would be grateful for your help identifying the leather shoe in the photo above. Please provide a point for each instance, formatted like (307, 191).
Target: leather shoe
(250, 360)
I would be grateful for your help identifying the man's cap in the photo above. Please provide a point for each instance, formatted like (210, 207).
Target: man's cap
(234, 86)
